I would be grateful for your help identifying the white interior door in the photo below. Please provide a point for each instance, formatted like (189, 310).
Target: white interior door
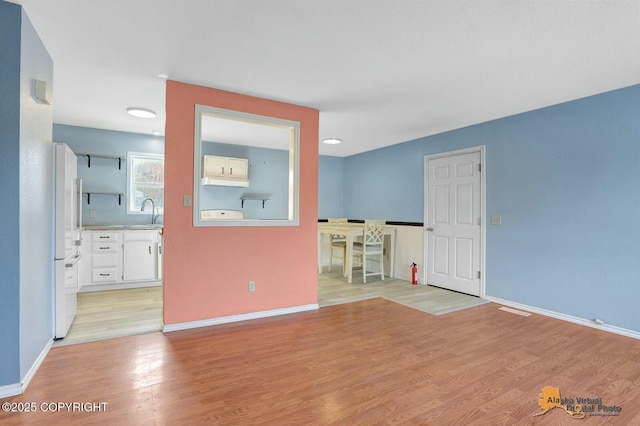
(454, 222)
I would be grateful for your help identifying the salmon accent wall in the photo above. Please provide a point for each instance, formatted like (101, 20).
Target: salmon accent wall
(207, 269)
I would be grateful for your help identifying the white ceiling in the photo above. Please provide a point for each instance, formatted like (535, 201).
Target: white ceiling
(380, 71)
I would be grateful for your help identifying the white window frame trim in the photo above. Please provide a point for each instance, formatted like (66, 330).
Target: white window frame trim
(130, 154)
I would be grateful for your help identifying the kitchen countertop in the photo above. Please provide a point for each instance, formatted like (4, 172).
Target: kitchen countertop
(123, 227)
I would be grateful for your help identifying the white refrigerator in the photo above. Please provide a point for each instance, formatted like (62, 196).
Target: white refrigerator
(68, 237)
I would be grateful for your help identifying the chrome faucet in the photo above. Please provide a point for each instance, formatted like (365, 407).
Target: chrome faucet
(154, 215)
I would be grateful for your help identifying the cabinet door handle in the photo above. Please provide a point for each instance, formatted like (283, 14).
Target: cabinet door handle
(105, 275)
(149, 249)
(222, 169)
(231, 171)
(104, 248)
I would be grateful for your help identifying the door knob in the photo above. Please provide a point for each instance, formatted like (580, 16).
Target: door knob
(429, 229)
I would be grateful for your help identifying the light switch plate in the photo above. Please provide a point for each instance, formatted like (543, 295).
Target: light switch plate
(186, 200)
(42, 92)
(496, 219)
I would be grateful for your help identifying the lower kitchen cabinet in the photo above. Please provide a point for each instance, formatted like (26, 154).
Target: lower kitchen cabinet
(106, 255)
(119, 259)
(139, 256)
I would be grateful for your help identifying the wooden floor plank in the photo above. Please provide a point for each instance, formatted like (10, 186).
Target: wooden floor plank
(367, 362)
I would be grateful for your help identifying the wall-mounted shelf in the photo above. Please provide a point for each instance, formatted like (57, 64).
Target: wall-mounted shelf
(259, 197)
(89, 156)
(116, 194)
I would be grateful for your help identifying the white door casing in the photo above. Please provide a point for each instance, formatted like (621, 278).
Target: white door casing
(453, 221)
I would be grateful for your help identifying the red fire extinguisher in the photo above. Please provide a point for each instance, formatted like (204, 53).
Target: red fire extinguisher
(414, 274)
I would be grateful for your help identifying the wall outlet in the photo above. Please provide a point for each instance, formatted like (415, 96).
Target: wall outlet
(252, 286)
(92, 213)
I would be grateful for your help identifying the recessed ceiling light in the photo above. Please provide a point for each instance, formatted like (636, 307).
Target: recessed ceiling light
(331, 141)
(141, 112)
(156, 132)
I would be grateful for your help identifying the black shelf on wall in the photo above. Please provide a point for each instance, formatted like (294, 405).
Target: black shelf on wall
(117, 194)
(89, 156)
(259, 197)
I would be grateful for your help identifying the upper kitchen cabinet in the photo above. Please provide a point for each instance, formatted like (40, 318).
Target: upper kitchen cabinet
(225, 171)
(234, 151)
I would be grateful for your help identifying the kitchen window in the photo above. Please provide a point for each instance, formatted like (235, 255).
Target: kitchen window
(145, 179)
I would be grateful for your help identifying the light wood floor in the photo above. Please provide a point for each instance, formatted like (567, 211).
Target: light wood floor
(361, 363)
(115, 313)
(118, 313)
(333, 290)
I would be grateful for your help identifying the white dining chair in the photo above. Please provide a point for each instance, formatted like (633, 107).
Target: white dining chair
(338, 243)
(372, 245)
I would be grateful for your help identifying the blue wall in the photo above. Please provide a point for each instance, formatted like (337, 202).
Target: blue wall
(104, 175)
(26, 205)
(268, 174)
(564, 179)
(36, 202)
(10, 27)
(330, 187)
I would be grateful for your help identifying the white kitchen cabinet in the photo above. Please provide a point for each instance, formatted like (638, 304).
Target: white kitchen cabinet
(140, 256)
(119, 259)
(105, 257)
(225, 171)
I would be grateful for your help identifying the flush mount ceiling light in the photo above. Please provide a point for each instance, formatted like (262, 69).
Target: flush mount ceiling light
(156, 132)
(141, 112)
(331, 141)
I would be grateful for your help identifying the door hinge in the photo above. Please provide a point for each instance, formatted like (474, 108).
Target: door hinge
(479, 167)
(479, 221)
(479, 275)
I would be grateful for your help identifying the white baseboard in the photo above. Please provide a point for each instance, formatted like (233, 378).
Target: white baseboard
(565, 317)
(19, 388)
(121, 286)
(10, 390)
(236, 318)
(34, 368)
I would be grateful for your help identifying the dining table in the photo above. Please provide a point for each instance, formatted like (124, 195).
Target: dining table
(351, 231)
